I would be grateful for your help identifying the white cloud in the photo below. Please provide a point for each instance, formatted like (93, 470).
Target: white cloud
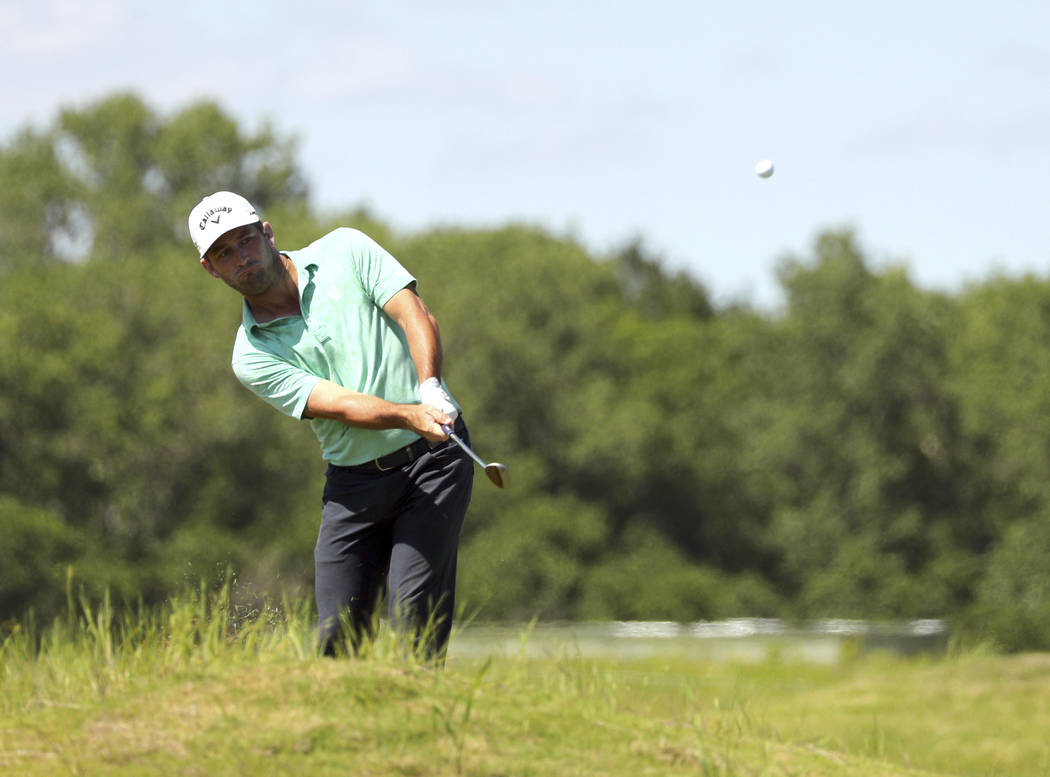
(357, 67)
(62, 27)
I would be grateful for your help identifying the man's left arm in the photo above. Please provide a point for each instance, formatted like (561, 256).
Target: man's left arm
(421, 329)
(408, 310)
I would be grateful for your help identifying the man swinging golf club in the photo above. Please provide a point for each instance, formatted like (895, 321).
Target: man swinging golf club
(336, 333)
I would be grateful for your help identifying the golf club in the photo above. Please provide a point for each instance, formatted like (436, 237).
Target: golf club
(496, 472)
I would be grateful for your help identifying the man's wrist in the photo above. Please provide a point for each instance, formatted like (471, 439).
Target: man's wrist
(431, 392)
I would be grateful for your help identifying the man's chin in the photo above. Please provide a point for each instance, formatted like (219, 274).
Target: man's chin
(248, 287)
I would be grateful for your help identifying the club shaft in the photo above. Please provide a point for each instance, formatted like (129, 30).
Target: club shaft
(463, 445)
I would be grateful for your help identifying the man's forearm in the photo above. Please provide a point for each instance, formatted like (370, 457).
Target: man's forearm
(421, 331)
(424, 344)
(330, 400)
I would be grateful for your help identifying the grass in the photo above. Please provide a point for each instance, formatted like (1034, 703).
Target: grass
(198, 687)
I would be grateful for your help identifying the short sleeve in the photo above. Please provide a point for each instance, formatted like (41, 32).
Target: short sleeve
(283, 385)
(382, 276)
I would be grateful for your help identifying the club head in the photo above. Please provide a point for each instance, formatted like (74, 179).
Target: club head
(498, 474)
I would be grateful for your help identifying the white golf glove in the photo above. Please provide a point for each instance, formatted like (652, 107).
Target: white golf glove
(431, 393)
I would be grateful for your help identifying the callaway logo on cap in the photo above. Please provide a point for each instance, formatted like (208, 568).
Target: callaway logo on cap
(216, 215)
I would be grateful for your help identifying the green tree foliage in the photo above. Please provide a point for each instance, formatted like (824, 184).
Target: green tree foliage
(37, 550)
(1001, 368)
(868, 437)
(118, 414)
(114, 180)
(872, 450)
(1013, 604)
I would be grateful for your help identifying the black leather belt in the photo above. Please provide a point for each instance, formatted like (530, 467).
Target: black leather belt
(398, 458)
(401, 456)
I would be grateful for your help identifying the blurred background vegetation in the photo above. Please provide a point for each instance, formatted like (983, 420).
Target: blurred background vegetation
(871, 450)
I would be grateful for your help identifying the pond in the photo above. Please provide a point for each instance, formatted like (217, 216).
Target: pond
(738, 639)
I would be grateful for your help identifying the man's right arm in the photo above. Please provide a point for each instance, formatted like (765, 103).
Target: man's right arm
(330, 400)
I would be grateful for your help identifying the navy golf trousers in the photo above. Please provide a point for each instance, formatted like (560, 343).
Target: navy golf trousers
(395, 532)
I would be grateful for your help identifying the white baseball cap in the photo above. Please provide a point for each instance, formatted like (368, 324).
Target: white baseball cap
(216, 215)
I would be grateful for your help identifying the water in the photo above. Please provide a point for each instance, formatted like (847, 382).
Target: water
(738, 639)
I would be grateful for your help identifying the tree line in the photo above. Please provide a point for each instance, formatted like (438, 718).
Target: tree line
(871, 449)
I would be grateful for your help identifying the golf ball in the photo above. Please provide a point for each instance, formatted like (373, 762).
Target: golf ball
(764, 168)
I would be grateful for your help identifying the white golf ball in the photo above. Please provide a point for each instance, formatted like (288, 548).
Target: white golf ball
(764, 169)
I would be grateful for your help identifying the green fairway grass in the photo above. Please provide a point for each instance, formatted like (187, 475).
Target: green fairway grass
(196, 688)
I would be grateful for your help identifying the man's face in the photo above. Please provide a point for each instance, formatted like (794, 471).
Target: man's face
(245, 258)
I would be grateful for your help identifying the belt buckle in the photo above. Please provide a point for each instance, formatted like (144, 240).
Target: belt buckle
(399, 463)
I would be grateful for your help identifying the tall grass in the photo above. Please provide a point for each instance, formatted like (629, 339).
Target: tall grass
(208, 683)
(102, 646)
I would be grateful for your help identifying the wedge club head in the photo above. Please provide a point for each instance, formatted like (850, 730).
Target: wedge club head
(496, 472)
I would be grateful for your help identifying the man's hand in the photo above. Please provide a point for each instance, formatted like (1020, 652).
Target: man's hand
(426, 421)
(431, 393)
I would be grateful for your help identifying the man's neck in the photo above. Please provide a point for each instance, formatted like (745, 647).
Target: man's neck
(281, 299)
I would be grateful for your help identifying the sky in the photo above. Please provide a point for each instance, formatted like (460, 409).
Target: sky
(923, 126)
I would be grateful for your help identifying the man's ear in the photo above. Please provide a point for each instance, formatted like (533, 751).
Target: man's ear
(207, 266)
(267, 231)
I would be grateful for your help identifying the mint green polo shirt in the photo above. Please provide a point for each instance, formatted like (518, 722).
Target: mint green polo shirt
(343, 335)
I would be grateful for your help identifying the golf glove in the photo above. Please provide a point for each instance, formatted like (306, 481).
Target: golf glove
(431, 393)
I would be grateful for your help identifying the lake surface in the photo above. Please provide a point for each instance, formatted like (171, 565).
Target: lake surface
(739, 639)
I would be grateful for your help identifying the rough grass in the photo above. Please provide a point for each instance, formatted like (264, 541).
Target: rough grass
(197, 688)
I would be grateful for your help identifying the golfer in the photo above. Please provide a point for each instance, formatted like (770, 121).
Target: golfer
(336, 333)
